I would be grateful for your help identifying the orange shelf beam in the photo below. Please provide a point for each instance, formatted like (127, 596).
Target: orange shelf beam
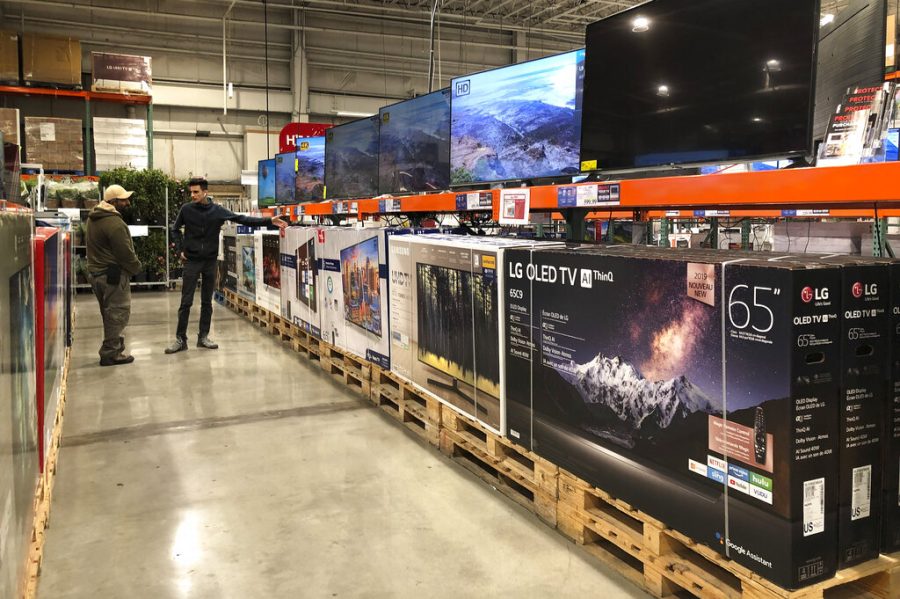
(71, 93)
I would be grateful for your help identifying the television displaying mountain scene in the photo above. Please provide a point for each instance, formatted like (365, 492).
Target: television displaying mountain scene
(351, 160)
(307, 274)
(517, 122)
(266, 176)
(362, 285)
(271, 261)
(414, 146)
(455, 300)
(285, 173)
(310, 183)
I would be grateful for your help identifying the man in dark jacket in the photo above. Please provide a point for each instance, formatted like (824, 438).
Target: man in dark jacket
(199, 247)
(111, 261)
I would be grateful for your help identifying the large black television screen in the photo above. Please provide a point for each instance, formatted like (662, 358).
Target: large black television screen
(675, 82)
(522, 121)
(414, 144)
(455, 300)
(351, 160)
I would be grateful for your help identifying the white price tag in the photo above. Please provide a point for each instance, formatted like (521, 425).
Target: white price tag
(48, 131)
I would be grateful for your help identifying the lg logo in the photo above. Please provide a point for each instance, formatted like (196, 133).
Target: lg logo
(808, 294)
(858, 289)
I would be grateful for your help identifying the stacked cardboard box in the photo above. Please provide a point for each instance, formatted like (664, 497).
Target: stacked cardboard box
(300, 279)
(266, 247)
(54, 61)
(9, 57)
(57, 144)
(120, 142)
(9, 125)
(121, 73)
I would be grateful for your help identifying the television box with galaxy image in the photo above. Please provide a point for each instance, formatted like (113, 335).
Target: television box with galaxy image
(299, 279)
(614, 371)
(445, 319)
(267, 255)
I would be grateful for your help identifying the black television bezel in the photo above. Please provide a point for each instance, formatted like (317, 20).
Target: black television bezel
(328, 195)
(374, 238)
(499, 182)
(806, 153)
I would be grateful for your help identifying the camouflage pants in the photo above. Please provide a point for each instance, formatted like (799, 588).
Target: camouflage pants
(115, 308)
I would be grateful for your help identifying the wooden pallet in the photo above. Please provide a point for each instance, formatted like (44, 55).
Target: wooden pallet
(305, 343)
(666, 563)
(333, 361)
(522, 476)
(417, 411)
(281, 328)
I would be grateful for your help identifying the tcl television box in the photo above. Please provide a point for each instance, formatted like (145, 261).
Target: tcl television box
(49, 332)
(445, 319)
(18, 416)
(353, 292)
(300, 279)
(267, 249)
(700, 390)
(230, 252)
(246, 264)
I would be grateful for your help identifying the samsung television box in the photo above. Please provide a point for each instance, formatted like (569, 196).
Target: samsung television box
(245, 258)
(267, 250)
(18, 416)
(300, 279)
(445, 298)
(699, 388)
(49, 320)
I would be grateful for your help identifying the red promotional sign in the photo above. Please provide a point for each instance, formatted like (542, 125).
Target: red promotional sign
(287, 139)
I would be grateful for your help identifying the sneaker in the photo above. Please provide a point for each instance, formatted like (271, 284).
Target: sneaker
(205, 343)
(120, 359)
(177, 346)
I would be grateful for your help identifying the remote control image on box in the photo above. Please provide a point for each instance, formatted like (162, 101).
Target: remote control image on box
(759, 430)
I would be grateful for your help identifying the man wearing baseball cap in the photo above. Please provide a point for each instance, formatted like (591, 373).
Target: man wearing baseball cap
(111, 262)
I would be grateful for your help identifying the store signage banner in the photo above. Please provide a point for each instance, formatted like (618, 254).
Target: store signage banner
(290, 133)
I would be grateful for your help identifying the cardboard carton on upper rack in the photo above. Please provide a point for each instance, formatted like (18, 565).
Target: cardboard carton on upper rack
(53, 61)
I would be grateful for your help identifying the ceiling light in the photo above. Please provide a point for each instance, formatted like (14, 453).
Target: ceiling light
(663, 91)
(757, 119)
(349, 113)
(826, 19)
(640, 24)
(773, 65)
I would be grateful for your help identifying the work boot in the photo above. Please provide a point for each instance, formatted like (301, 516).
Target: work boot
(179, 345)
(120, 359)
(205, 343)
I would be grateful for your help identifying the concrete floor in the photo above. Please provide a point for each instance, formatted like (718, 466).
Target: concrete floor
(247, 472)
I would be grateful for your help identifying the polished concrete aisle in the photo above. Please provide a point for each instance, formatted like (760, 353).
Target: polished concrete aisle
(247, 472)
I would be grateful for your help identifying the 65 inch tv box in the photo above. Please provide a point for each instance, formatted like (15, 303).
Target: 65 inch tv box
(698, 388)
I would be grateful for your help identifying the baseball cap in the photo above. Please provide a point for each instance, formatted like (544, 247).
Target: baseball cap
(116, 192)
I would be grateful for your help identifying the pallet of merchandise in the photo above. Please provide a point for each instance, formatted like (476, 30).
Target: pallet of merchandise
(666, 563)
(417, 411)
(346, 368)
(524, 477)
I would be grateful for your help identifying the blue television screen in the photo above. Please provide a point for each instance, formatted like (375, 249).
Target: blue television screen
(310, 183)
(351, 160)
(285, 172)
(517, 122)
(414, 144)
(266, 192)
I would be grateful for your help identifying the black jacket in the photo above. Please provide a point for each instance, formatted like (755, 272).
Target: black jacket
(202, 223)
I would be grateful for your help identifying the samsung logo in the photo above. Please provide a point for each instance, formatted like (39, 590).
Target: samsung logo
(400, 251)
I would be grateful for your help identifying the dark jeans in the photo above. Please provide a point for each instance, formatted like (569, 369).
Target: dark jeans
(192, 271)
(115, 309)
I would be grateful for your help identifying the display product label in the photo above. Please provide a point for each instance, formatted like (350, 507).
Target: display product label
(813, 507)
(587, 196)
(388, 206)
(515, 204)
(477, 200)
(862, 493)
(48, 131)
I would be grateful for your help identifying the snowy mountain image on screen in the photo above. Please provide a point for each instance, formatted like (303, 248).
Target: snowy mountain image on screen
(625, 406)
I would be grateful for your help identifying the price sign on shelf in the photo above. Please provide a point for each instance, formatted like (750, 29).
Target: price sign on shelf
(476, 200)
(588, 196)
(388, 206)
(515, 204)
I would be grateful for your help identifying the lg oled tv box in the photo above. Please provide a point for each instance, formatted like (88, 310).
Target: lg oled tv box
(245, 250)
(699, 388)
(300, 279)
(445, 299)
(891, 453)
(267, 249)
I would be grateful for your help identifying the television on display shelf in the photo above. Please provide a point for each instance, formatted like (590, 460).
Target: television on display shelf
(517, 122)
(678, 83)
(414, 144)
(266, 189)
(307, 275)
(451, 299)
(309, 185)
(351, 160)
(362, 285)
(285, 173)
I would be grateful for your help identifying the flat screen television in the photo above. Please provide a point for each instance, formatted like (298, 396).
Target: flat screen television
(310, 183)
(851, 52)
(271, 261)
(362, 285)
(266, 190)
(351, 160)
(307, 275)
(517, 122)
(671, 82)
(450, 299)
(414, 144)
(285, 173)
